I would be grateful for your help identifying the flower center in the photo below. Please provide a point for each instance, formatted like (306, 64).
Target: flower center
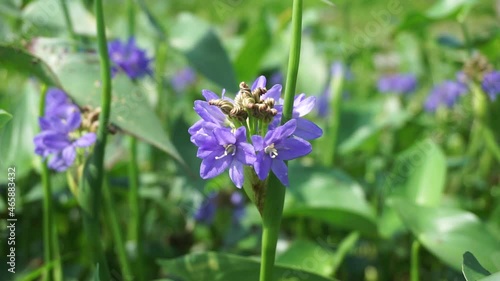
(229, 149)
(273, 152)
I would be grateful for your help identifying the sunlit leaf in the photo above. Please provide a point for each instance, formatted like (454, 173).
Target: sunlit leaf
(4, 117)
(224, 267)
(330, 196)
(472, 269)
(448, 233)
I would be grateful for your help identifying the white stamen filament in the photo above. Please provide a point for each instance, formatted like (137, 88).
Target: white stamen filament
(273, 152)
(229, 149)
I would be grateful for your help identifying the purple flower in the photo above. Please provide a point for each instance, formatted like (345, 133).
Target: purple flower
(183, 78)
(276, 147)
(337, 69)
(221, 149)
(274, 92)
(58, 137)
(397, 83)
(444, 94)
(491, 84)
(206, 213)
(129, 58)
(301, 106)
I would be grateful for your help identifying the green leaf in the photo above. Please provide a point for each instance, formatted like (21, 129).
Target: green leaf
(4, 117)
(493, 277)
(198, 42)
(448, 233)
(330, 196)
(96, 274)
(45, 17)
(309, 256)
(17, 60)
(446, 8)
(257, 42)
(79, 75)
(223, 267)
(16, 138)
(419, 174)
(472, 269)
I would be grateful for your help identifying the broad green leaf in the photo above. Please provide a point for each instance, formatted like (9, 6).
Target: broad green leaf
(16, 138)
(446, 8)
(330, 196)
(79, 75)
(4, 117)
(200, 44)
(309, 256)
(17, 60)
(361, 123)
(45, 17)
(448, 233)
(257, 42)
(224, 267)
(419, 174)
(472, 269)
(493, 277)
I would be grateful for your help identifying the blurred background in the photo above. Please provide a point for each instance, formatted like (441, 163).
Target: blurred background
(409, 162)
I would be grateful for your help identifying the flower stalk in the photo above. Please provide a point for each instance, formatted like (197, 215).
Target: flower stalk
(330, 140)
(48, 226)
(275, 191)
(91, 182)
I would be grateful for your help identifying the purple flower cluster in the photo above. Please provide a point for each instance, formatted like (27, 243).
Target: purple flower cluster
(59, 136)
(206, 213)
(129, 58)
(445, 94)
(397, 83)
(491, 84)
(246, 131)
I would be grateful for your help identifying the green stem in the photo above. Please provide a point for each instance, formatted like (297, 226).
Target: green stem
(415, 247)
(131, 17)
(67, 20)
(94, 170)
(293, 61)
(47, 201)
(275, 191)
(160, 64)
(271, 221)
(330, 138)
(135, 226)
(116, 231)
(345, 246)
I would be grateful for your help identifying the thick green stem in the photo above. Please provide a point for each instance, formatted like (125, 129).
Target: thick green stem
(330, 138)
(47, 202)
(116, 232)
(275, 191)
(271, 221)
(67, 20)
(94, 170)
(135, 226)
(131, 17)
(415, 247)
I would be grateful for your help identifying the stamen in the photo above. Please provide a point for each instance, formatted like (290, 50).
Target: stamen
(229, 149)
(273, 152)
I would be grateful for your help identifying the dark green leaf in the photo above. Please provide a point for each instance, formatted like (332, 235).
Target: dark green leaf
(4, 117)
(17, 60)
(223, 267)
(257, 42)
(204, 51)
(472, 269)
(330, 196)
(448, 233)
